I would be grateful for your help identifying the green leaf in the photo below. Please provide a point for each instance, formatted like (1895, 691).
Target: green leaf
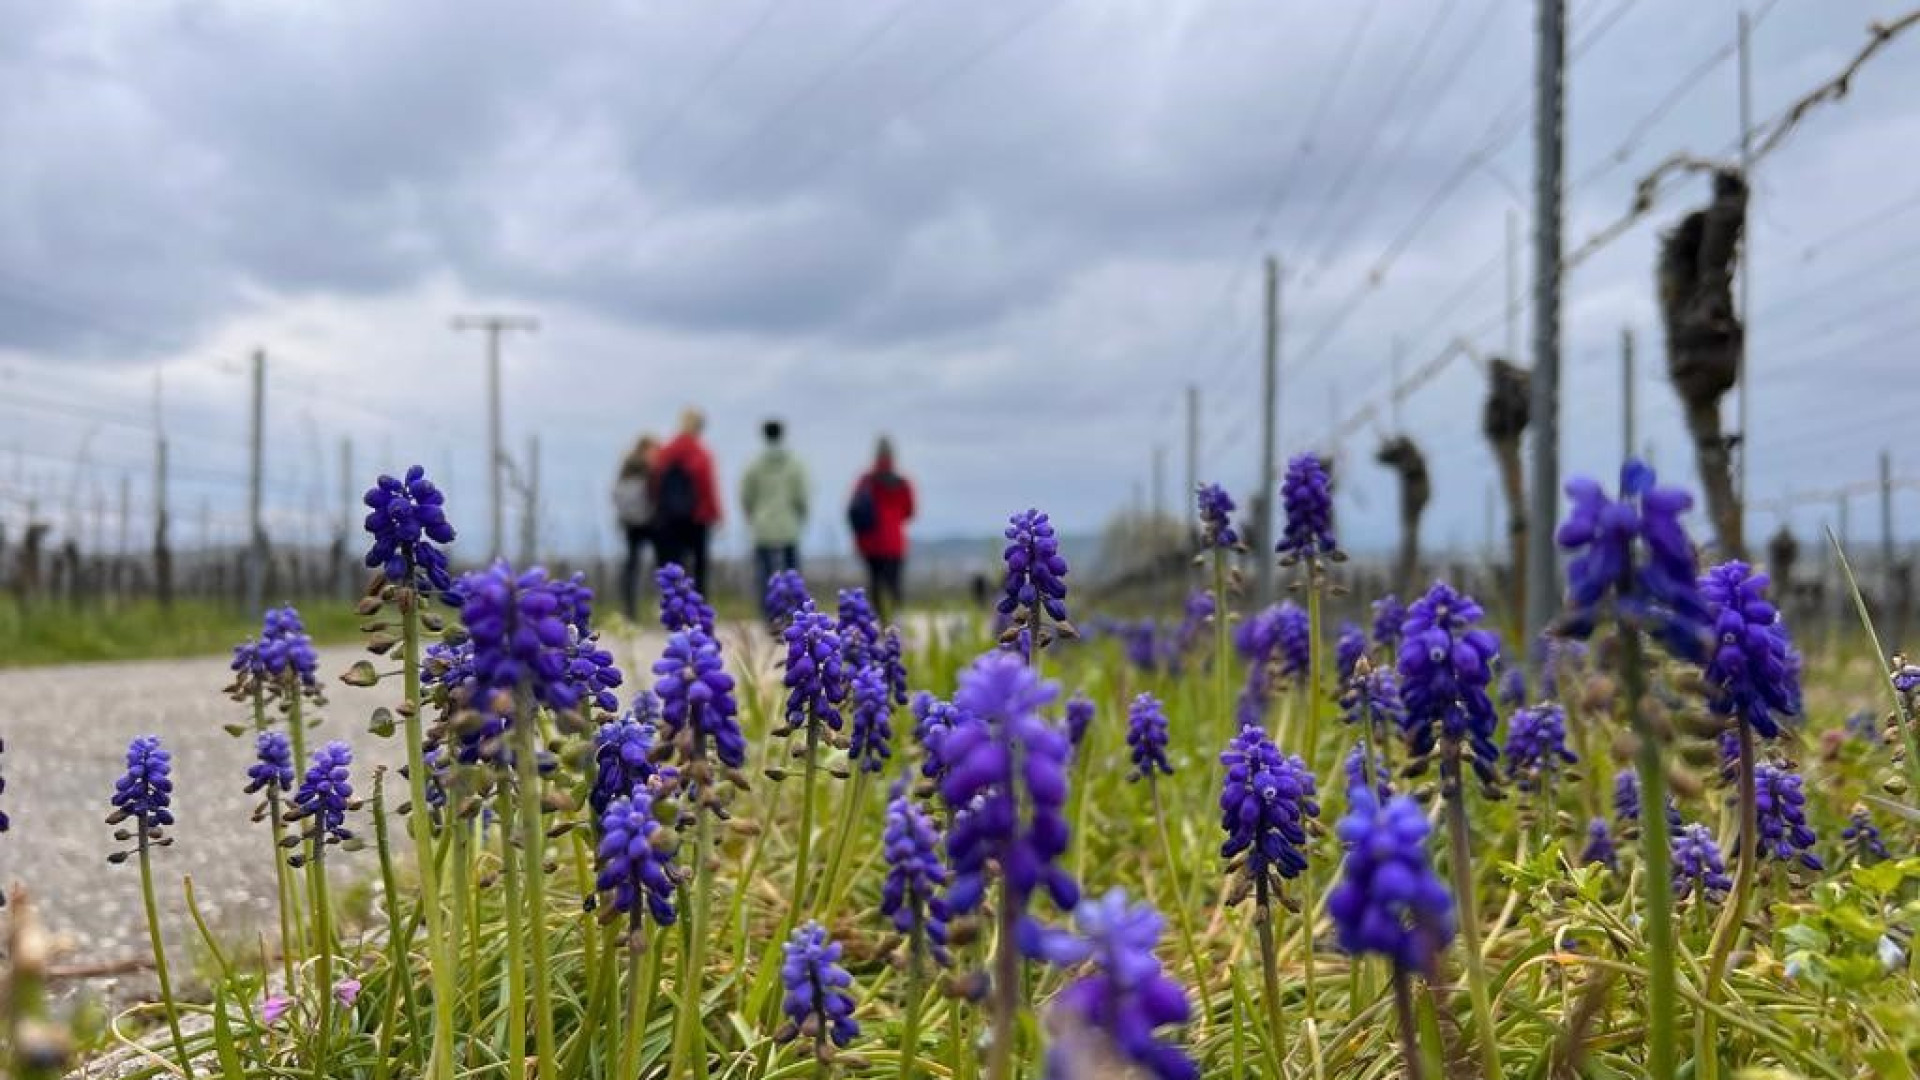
(381, 723)
(360, 674)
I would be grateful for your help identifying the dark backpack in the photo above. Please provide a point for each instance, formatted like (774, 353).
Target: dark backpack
(679, 498)
(862, 515)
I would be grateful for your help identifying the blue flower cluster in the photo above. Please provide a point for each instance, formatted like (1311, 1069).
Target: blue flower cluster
(1626, 801)
(1600, 849)
(326, 794)
(590, 669)
(696, 699)
(786, 594)
(1861, 838)
(818, 1002)
(1388, 616)
(911, 896)
(1147, 738)
(1264, 808)
(1216, 517)
(622, 759)
(1752, 673)
(933, 719)
(859, 629)
(408, 520)
(1446, 664)
(635, 859)
(282, 656)
(1660, 593)
(815, 675)
(1389, 901)
(1373, 699)
(869, 743)
(1294, 640)
(144, 793)
(1007, 786)
(1698, 865)
(1348, 648)
(1080, 715)
(1307, 497)
(1125, 998)
(520, 641)
(272, 768)
(681, 605)
(1782, 813)
(1036, 571)
(1537, 745)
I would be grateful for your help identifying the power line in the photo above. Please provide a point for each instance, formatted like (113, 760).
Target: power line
(720, 66)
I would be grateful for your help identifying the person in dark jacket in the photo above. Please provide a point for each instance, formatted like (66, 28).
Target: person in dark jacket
(633, 506)
(686, 499)
(879, 510)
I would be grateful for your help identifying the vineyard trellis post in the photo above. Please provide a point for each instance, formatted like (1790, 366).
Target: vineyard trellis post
(1269, 436)
(256, 562)
(1549, 164)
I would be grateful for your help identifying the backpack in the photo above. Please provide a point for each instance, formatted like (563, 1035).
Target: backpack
(862, 514)
(679, 496)
(630, 502)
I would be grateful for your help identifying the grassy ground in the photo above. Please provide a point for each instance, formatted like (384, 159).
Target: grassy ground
(50, 633)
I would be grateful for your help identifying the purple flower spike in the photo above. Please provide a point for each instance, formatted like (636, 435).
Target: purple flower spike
(521, 643)
(859, 629)
(1123, 999)
(1007, 787)
(1446, 663)
(1216, 517)
(145, 793)
(1388, 615)
(1147, 738)
(1599, 850)
(272, 768)
(1752, 673)
(326, 794)
(1264, 809)
(1035, 568)
(786, 594)
(1080, 715)
(1294, 640)
(622, 760)
(1389, 901)
(818, 1002)
(911, 898)
(870, 741)
(696, 699)
(408, 521)
(1861, 838)
(1537, 746)
(1350, 647)
(816, 675)
(635, 860)
(681, 605)
(1307, 497)
(1698, 865)
(933, 719)
(1782, 806)
(1626, 801)
(1636, 551)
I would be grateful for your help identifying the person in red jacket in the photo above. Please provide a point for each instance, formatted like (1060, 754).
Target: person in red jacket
(881, 506)
(686, 499)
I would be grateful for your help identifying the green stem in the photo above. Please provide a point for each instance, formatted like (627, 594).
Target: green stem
(1311, 749)
(397, 937)
(323, 958)
(1222, 658)
(533, 849)
(1263, 915)
(1005, 988)
(516, 1010)
(1453, 785)
(439, 953)
(290, 930)
(910, 1031)
(639, 996)
(1409, 1028)
(830, 885)
(321, 944)
(1184, 919)
(1656, 855)
(160, 953)
(1734, 914)
(803, 852)
(464, 919)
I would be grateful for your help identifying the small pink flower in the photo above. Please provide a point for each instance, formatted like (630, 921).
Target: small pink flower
(346, 991)
(273, 1007)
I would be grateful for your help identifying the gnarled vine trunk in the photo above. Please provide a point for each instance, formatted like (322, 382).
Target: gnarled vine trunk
(1403, 457)
(1503, 422)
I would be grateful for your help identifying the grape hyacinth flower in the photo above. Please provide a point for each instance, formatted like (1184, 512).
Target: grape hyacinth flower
(1445, 666)
(520, 641)
(1264, 808)
(1782, 817)
(1121, 1001)
(1372, 699)
(1216, 517)
(1513, 688)
(869, 741)
(1388, 616)
(1861, 838)
(1660, 593)
(144, 795)
(1360, 769)
(1293, 640)
(1147, 738)
(1698, 866)
(1306, 495)
(893, 664)
(635, 860)
(932, 720)
(786, 594)
(815, 673)
(408, 521)
(1626, 801)
(272, 768)
(1599, 850)
(1537, 746)
(1035, 582)
(284, 652)
(1752, 674)
(697, 707)
(1349, 648)
(859, 629)
(1079, 719)
(911, 896)
(818, 1002)
(1389, 901)
(1257, 639)
(682, 607)
(325, 795)
(622, 758)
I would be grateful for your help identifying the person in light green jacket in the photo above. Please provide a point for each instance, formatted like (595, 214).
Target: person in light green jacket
(774, 495)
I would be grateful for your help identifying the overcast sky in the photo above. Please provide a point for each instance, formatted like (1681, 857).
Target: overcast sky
(1007, 233)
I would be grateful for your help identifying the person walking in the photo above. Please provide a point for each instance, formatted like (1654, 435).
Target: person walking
(774, 496)
(878, 512)
(633, 509)
(686, 499)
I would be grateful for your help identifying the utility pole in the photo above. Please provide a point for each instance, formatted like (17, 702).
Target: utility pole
(1543, 571)
(1513, 286)
(495, 326)
(256, 574)
(1263, 559)
(1626, 392)
(530, 508)
(162, 551)
(126, 516)
(1159, 480)
(1193, 455)
(1746, 253)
